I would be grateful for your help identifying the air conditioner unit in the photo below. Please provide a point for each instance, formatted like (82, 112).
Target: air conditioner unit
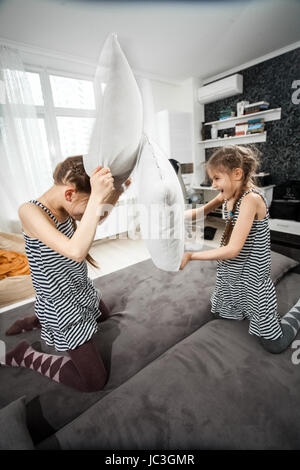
(224, 88)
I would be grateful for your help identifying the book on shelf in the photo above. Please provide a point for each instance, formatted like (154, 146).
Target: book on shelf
(256, 107)
(225, 114)
(256, 128)
(256, 125)
(255, 121)
(249, 127)
(241, 128)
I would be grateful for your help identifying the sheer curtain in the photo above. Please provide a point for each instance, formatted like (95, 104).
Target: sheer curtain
(25, 166)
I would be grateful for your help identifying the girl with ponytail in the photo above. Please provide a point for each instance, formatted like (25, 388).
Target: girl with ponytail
(243, 285)
(68, 307)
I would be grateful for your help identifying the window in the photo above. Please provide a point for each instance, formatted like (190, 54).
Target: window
(70, 112)
(66, 109)
(66, 113)
(72, 93)
(36, 89)
(74, 134)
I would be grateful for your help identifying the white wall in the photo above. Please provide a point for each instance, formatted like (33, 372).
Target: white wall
(170, 96)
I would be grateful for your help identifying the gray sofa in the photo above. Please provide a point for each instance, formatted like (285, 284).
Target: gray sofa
(178, 378)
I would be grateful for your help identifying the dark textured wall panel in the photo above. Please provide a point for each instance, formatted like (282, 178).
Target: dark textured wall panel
(271, 81)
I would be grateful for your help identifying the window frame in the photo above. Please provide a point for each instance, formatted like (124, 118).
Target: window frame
(49, 112)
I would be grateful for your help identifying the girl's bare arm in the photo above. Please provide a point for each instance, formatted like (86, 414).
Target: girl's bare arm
(248, 210)
(194, 214)
(38, 224)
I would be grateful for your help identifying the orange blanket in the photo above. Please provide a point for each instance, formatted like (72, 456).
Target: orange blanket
(13, 264)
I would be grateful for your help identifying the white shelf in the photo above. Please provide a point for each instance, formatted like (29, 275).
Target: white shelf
(210, 188)
(236, 140)
(268, 115)
(286, 226)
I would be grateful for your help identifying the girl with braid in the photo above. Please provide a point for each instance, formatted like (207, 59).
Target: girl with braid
(68, 306)
(243, 285)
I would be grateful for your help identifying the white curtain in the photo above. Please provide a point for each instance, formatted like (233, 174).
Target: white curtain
(25, 167)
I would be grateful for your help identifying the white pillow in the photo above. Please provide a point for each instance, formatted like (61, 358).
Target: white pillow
(118, 126)
(161, 207)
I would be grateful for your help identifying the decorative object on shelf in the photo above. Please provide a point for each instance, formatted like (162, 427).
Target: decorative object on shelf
(240, 107)
(256, 107)
(214, 132)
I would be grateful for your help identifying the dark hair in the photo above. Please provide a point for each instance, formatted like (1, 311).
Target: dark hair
(227, 159)
(71, 170)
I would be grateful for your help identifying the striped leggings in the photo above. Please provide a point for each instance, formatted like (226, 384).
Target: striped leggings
(274, 346)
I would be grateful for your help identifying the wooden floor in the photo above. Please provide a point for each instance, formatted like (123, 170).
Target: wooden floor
(115, 254)
(112, 255)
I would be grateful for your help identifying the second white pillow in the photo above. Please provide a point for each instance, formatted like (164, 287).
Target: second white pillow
(161, 207)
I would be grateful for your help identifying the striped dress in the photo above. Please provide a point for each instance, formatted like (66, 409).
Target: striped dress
(67, 303)
(243, 285)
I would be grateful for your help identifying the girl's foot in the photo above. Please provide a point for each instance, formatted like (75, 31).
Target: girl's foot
(27, 324)
(15, 357)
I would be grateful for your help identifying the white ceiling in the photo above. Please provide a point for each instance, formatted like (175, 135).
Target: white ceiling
(174, 40)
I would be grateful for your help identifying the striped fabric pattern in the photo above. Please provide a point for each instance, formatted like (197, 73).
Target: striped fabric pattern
(244, 288)
(67, 303)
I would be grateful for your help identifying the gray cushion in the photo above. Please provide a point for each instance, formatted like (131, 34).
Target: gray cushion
(280, 265)
(216, 389)
(14, 434)
(150, 311)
